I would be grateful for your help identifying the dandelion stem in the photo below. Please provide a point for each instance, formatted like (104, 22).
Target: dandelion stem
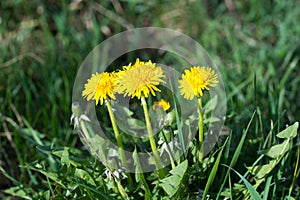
(116, 131)
(200, 127)
(151, 138)
(119, 141)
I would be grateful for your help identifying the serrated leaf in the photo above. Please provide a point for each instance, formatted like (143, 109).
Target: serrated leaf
(211, 104)
(180, 169)
(289, 132)
(51, 175)
(172, 183)
(133, 126)
(65, 158)
(99, 147)
(84, 175)
(136, 124)
(122, 111)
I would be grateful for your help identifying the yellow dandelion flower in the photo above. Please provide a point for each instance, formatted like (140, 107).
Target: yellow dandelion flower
(161, 103)
(100, 87)
(142, 78)
(197, 79)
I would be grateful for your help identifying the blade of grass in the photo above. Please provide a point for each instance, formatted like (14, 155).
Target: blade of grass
(230, 187)
(237, 89)
(286, 75)
(295, 173)
(178, 124)
(95, 190)
(267, 187)
(213, 172)
(226, 155)
(236, 154)
(12, 179)
(254, 194)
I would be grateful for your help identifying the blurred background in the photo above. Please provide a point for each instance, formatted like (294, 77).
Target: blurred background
(256, 46)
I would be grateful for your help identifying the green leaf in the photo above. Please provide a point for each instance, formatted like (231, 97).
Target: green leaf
(46, 194)
(19, 191)
(262, 170)
(51, 175)
(132, 125)
(31, 135)
(123, 111)
(136, 124)
(169, 119)
(211, 104)
(180, 169)
(289, 198)
(138, 168)
(96, 191)
(82, 174)
(99, 146)
(232, 191)
(278, 150)
(67, 157)
(172, 183)
(254, 194)
(289, 132)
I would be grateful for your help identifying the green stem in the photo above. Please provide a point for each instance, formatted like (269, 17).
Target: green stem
(84, 129)
(119, 141)
(151, 139)
(200, 127)
(121, 189)
(116, 131)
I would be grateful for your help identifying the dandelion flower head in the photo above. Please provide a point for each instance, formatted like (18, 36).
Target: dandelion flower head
(139, 79)
(100, 87)
(161, 103)
(195, 80)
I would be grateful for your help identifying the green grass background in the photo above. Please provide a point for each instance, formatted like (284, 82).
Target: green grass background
(255, 44)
